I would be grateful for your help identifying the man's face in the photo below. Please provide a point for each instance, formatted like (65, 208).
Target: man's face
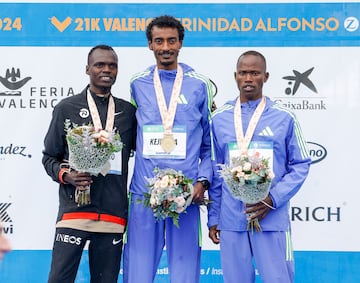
(250, 76)
(102, 70)
(166, 46)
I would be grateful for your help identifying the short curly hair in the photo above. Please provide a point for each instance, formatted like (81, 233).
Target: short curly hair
(165, 21)
(100, 46)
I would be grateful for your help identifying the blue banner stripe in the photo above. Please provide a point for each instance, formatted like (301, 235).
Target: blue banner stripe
(311, 266)
(210, 25)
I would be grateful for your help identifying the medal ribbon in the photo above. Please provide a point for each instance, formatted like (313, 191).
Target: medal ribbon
(168, 115)
(244, 141)
(95, 113)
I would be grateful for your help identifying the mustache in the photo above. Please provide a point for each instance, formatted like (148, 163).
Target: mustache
(166, 53)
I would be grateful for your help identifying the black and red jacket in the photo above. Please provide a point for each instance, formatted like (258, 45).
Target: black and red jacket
(109, 200)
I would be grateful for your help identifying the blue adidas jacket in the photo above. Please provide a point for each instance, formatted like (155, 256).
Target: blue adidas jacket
(193, 112)
(291, 163)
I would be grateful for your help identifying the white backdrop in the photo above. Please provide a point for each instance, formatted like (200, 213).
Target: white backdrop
(56, 72)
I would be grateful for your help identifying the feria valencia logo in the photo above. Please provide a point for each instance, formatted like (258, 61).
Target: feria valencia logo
(317, 152)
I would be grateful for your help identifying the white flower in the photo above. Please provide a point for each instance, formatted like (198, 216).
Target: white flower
(152, 200)
(101, 133)
(157, 184)
(180, 201)
(247, 166)
(236, 169)
(164, 182)
(240, 174)
(172, 181)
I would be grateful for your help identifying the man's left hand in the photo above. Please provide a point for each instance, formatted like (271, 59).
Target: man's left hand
(259, 210)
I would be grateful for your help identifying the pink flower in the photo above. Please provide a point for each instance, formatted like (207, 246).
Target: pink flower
(180, 201)
(171, 198)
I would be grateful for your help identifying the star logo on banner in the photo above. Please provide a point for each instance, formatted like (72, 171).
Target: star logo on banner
(61, 26)
(300, 78)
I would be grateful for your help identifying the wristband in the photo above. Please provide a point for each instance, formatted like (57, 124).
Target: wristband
(61, 175)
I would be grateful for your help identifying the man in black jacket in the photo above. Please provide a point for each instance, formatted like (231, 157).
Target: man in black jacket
(103, 220)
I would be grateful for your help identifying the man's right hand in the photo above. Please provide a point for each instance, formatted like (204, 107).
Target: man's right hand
(214, 234)
(77, 179)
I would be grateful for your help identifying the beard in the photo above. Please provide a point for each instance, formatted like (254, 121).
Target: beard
(167, 58)
(167, 63)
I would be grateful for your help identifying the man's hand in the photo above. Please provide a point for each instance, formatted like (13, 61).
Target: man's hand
(214, 234)
(77, 179)
(259, 210)
(199, 190)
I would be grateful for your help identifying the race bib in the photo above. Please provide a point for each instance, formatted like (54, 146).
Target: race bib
(152, 136)
(115, 163)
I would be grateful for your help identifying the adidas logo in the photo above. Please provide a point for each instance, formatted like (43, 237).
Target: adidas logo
(182, 99)
(266, 132)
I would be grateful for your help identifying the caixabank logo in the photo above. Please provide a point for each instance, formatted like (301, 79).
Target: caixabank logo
(18, 92)
(5, 218)
(300, 91)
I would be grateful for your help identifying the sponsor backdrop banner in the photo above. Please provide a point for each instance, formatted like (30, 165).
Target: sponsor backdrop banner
(313, 59)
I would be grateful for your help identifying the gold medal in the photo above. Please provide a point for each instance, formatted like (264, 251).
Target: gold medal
(168, 143)
(168, 115)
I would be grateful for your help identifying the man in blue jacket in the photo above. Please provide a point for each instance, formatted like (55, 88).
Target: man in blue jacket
(276, 133)
(174, 90)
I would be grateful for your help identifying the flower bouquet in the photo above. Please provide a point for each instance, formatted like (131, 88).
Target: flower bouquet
(170, 194)
(90, 151)
(249, 179)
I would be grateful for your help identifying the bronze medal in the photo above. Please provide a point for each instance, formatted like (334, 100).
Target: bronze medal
(168, 143)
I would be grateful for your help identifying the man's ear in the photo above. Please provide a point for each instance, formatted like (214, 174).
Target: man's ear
(266, 77)
(150, 45)
(87, 69)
